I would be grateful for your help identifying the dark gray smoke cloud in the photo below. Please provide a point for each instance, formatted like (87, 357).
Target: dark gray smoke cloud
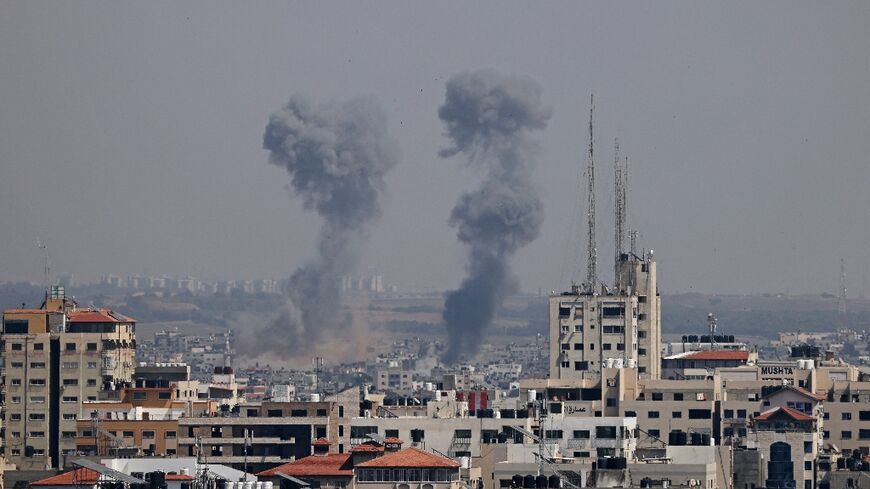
(488, 118)
(337, 155)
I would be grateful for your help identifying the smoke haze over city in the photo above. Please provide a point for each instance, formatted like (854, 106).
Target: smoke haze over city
(131, 136)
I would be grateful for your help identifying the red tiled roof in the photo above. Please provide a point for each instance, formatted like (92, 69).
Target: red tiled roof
(331, 464)
(393, 440)
(719, 355)
(367, 447)
(799, 390)
(74, 477)
(96, 316)
(320, 442)
(792, 413)
(411, 457)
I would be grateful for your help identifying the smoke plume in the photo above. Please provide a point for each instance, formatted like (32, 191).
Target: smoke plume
(488, 119)
(337, 154)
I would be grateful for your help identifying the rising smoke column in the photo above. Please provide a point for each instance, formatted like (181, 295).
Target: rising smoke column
(337, 154)
(488, 118)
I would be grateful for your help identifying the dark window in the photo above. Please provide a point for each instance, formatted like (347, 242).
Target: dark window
(620, 346)
(164, 395)
(605, 346)
(652, 414)
(591, 346)
(808, 447)
(274, 413)
(70, 347)
(17, 347)
(847, 416)
(298, 413)
(566, 346)
(657, 396)
(92, 347)
(340, 411)
(611, 402)
(677, 414)
(38, 346)
(641, 334)
(140, 396)
(578, 346)
(321, 412)
(391, 433)
(846, 435)
(864, 415)
(581, 434)
(808, 465)
(581, 365)
(605, 432)
(678, 396)
(631, 414)
(699, 414)
(741, 413)
(641, 299)
(864, 434)
(655, 433)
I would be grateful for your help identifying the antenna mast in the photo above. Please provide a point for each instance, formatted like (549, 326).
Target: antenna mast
(592, 251)
(619, 209)
(841, 306)
(46, 269)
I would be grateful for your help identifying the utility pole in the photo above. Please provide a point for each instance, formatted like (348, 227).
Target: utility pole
(591, 248)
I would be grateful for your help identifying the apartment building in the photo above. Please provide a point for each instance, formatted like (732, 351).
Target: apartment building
(265, 434)
(587, 327)
(56, 357)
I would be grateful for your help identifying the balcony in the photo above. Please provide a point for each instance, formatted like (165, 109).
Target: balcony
(265, 440)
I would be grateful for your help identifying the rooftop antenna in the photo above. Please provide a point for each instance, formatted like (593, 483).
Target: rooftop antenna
(633, 241)
(841, 306)
(46, 270)
(712, 323)
(618, 209)
(592, 251)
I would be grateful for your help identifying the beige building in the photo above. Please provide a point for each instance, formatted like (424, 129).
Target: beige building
(55, 358)
(591, 330)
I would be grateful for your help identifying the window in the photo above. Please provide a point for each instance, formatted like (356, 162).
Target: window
(630, 414)
(37, 434)
(17, 347)
(16, 381)
(37, 399)
(69, 417)
(169, 434)
(16, 400)
(641, 369)
(699, 414)
(92, 364)
(321, 412)
(578, 328)
(69, 365)
(654, 433)
(652, 414)
(581, 434)
(864, 434)
(140, 395)
(678, 396)
(553, 434)
(846, 416)
(808, 465)
(128, 434)
(70, 347)
(69, 399)
(605, 346)
(613, 329)
(741, 413)
(164, 395)
(91, 382)
(37, 364)
(579, 455)
(657, 396)
(15, 417)
(17, 364)
(641, 334)
(578, 346)
(641, 351)
(808, 447)
(37, 417)
(620, 346)
(566, 364)
(677, 414)
(298, 413)
(37, 382)
(591, 346)
(340, 411)
(148, 434)
(846, 435)
(611, 402)
(608, 432)
(92, 347)
(864, 415)
(391, 433)
(68, 434)
(566, 346)
(826, 434)
(68, 382)
(581, 365)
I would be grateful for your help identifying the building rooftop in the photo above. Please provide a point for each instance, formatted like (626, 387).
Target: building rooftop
(720, 355)
(331, 464)
(411, 457)
(97, 316)
(799, 390)
(76, 477)
(780, 411)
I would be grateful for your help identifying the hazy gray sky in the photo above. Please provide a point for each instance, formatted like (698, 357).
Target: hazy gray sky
(131, 134)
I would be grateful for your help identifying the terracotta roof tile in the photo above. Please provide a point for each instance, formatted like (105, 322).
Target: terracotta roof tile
(411, 457)
(74, 477)
(791, 413)
(331, 464)
(393, 440)
(799, 390)
(179, 477)
(320, 442)
(96, 316)
(367, 447)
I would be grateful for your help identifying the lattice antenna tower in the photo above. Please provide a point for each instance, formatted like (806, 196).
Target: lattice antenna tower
(591, 248)
(618, 209)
